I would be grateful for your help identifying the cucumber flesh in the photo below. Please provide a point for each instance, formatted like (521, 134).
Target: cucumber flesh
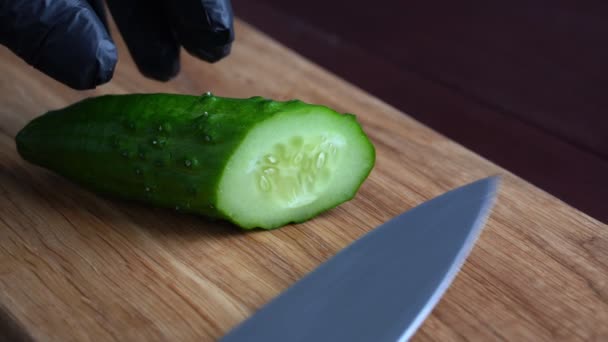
(293, 166)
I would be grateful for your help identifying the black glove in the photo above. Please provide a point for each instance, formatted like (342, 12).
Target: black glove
(69, 40)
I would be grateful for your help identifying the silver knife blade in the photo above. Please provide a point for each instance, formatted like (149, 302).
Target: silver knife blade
(384, 285)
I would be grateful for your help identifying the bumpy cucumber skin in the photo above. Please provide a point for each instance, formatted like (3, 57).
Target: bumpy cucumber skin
(168, 150)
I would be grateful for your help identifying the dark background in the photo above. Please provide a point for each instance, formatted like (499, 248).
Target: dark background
(523, 83)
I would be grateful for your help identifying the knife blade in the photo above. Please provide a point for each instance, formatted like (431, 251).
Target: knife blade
(385, 284)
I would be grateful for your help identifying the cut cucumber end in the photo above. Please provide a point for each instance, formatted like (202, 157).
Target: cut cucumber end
(294, 166)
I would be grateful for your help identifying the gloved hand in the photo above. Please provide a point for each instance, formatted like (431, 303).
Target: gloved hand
(69, 40)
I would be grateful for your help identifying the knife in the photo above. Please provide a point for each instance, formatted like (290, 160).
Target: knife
(384, 285)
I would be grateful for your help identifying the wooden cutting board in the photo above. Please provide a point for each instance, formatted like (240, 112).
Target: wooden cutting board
(78, 267)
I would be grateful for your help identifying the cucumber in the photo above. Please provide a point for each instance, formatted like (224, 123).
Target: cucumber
(255, 162)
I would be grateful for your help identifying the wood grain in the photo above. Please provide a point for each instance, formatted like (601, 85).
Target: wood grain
(78, 267)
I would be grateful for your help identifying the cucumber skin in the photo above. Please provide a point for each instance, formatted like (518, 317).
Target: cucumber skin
(160, 149)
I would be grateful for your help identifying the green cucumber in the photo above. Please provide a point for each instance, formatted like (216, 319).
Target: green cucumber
(255, 162)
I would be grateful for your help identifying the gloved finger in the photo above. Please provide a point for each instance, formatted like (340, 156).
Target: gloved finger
(98, 7)
(203, 27)
(63, 38)
(146, 30)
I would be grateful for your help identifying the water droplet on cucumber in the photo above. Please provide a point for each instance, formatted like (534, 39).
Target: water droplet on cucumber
(270, 105)
(190, 162)
(159, 142)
